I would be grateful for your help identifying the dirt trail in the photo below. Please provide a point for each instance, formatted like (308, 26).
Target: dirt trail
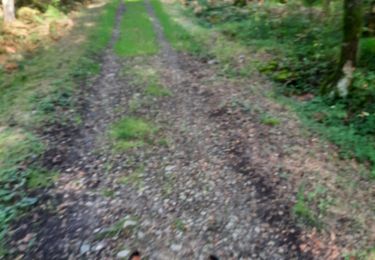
(215, 189)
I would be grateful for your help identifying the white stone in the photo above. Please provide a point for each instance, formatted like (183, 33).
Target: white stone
(129, 223)
(84, 248)
(123, 254)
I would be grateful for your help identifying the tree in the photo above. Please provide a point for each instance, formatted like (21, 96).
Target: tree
(342, 79)
(370, 19)
(9, 11)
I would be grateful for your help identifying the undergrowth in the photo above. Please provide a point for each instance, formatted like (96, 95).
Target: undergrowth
(302, 51)
(179, 38)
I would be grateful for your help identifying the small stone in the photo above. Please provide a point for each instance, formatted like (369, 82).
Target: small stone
(84, 248)
(141, 235)
(169, 168)
(100, 246)
(176, 248)
(123, 254)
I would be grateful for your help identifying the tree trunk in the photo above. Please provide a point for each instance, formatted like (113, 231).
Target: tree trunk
(370, 20)
(9, 12)
(343, 77)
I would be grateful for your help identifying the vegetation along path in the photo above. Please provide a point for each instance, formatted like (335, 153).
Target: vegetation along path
(175, 160)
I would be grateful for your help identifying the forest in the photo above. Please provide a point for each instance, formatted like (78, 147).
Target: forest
(187, 129)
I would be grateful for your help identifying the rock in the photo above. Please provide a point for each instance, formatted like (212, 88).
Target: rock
(100, 246)
(169, 168)
(212, 62)
(84, 248)
(176, 248)
(140, 235)
(123, 254)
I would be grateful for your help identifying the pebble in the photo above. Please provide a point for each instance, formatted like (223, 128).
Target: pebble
(169, 168)
(100, 246)
(176, 248)
(84, 248)
(123, 254)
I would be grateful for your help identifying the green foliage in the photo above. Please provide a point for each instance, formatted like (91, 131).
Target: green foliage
(53, 13)
(353, 133)
(18, 173)
(367, 53)
(223, 13)
(304, 51)
(368, 254)
(33, 97)
(311, 206)
(304, 47)
(269, 120)
(137, 35)
(179, 225)
(132, 132)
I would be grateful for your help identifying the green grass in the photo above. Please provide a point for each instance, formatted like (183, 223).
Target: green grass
(327, 120)
(179, 225)
(137, 35)
(157, 90)
(269, 120)
(175, 34)
(132, 132)
(312, 206)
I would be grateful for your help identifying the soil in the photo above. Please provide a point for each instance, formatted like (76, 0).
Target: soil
(221, 186)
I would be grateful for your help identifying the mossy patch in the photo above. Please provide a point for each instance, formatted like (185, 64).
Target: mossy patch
(132, 132)
(269, 120)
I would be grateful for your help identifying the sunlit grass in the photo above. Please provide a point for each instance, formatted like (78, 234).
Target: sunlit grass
(175, 34)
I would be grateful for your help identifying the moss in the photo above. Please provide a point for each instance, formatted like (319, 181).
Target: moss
(132, 132)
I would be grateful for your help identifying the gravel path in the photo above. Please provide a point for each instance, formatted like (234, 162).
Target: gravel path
(215, 189)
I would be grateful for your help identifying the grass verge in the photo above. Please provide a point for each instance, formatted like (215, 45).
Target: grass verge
(42, 93)
(179, 38)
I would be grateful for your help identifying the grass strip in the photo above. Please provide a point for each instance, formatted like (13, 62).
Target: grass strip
(137, 35)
